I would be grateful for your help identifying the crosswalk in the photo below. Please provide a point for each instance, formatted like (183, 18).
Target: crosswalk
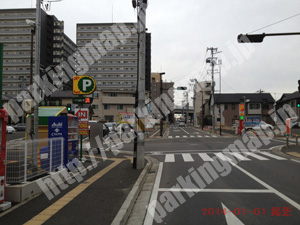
(191, 136)
(228, 156)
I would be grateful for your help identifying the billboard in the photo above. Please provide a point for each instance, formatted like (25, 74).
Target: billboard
(128, 118)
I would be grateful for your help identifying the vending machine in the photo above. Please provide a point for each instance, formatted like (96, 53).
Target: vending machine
(3, 122)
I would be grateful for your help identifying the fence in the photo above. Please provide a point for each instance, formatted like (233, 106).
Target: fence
(23, 164)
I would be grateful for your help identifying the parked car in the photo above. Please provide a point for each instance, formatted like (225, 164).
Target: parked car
(181, 124)
(125, 128)
(10, 130)
(20, 127)
(110, 126)
(262, 126)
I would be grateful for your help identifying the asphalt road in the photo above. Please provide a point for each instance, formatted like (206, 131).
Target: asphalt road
(199, 183)
(16, 135)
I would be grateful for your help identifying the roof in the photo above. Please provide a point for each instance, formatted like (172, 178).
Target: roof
(287, 97)
(239, 97)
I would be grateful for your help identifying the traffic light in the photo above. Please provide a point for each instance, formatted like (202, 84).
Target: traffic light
(251, 38)
(299, 86)
(69, 108)
(298, 103)
(241, 117)
(88, 100)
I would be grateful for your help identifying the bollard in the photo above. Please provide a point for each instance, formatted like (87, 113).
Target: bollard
(287, 141)
(297, 140)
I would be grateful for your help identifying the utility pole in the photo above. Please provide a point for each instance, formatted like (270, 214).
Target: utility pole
(161, 105)
(212, 62)
(37, 73)
(139, 144)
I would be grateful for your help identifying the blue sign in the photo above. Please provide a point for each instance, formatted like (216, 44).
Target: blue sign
(252, 121)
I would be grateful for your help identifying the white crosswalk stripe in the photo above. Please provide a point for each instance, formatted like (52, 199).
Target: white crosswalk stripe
(199, 136)
(170, 158)
(170, 137)
(192, 136)
(187, 158)
(239, 156)
(228, 156)
(185, 136)
(177, 136)
(205, 157)
(273, 156)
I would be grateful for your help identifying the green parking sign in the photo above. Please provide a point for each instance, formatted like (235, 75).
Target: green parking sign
(83, 85)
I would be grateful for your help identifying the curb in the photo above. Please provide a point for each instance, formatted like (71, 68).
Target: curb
(278, 151)
(125, 210)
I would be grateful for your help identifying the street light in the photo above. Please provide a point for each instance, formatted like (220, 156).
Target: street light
(245, 109)
(258, 38)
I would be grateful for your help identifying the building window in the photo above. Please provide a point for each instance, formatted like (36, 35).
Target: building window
(95, 95)
(95, 106)
(265, 106)
(119, 106)
(112, 94)
(225, 107)
(293, 103)
(254, 106)
(106, 106)
(233, 106)
(55, 102)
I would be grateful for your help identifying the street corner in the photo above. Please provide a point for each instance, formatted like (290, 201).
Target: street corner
(292, 151)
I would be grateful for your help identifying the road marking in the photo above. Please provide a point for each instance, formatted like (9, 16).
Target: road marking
(46, 214)
(294, 160)
(151, 211)
(287, 199)
(231, 219)
(196, 190)
(185, 136)
(222, 156)
(177, 136)
(205, 157)
(170, 137)
(214, 136)
(199, 136)
(272, 156)
(255, 156)
(206, 136)
(192, 136)
(187, 158)
(184, 130)
(170, 158)
(239, 156)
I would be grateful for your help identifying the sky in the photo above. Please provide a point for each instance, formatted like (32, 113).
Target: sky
(183, 30)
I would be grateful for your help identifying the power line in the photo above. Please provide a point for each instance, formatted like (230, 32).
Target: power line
(275, 23)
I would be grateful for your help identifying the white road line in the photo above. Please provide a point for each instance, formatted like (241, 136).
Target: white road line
(222, 156)
(151, 211)
(187, 158)
(199, 136)
(170, 158)
(239, 156)
(205, 157)
(192, 136)
(287, 199)
(272, 156)
(170, 137)
(294, 160)
(255, 156)
(214, 136)
(184, 131)
(177, 136)
(215, 190)
(184, 136)
(206, 136)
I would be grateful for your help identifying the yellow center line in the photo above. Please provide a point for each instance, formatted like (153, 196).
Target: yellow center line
(67, 198)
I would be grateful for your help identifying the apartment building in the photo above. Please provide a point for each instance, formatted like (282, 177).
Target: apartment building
(16, 34)
(115, 72)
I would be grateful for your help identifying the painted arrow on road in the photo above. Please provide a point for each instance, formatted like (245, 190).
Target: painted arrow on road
(231, 219)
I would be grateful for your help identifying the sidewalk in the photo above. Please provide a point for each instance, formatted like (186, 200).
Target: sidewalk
(96, 199)
(292, 150)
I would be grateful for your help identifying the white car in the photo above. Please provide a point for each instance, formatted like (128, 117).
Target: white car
(10, 130)
(262, 126)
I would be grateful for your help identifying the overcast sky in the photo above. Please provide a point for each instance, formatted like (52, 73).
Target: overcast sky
(183, 30)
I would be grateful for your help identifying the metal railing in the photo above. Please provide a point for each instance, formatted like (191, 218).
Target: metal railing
(23, 165)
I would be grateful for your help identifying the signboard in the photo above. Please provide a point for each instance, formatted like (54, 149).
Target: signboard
(128, 118)
(83, 117)
(83, 85)
(79, 100)
(252, 121)
(242, 110)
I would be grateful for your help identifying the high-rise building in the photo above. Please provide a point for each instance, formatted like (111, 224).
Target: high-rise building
(16, 34)
(115, 72)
